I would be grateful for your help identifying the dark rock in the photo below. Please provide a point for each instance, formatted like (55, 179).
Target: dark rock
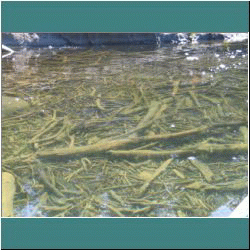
(168, 37)
(122, 38)
(9, 40)
(209, 37)
(142, 38)
(49, 39)
(76, 39)
(97, 39)
(33, 39)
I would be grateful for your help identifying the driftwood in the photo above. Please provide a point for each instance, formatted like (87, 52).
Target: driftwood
(48, 185)
(106, 145)
(201, 148)
(110, 144)
(8, 191)
(204, 169)
(233, 185)
(156, 174)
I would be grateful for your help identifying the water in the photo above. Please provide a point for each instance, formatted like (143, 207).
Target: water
(80, 97)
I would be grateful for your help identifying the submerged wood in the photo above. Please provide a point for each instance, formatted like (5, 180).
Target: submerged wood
(204, 169)
(179, 174)
(45, 130)
(154, 112)
(136, 211)
(106, 110)
(8, 191)
(106, 144)
(214, 148)
(93, 148)
(232, 185)
(48, 185)
(201, 148)
(149, 153)
(56, 208)
(110, 207)
(117, 197)
(12, 105)
(244, 133)
(156, 174)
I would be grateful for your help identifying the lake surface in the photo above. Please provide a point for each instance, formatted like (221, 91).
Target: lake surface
(127, 131)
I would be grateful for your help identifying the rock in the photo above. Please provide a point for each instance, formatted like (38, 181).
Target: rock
(12, 105)
(50, 39)
(34, 39)
(77, 39)
(122, 38)
(173, 38)
(168, 37)
(31, 40)
(209, 37)
(9, 40)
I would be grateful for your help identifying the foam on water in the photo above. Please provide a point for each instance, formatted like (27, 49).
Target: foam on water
(235, 37)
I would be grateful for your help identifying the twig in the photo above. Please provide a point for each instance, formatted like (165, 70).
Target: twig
(156, 174)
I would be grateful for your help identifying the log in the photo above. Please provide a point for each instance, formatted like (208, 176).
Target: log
(8, 191)
(198, 149)
(106, 144)
(111, 144)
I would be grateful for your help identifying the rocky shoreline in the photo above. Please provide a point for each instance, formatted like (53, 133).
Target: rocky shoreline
(32, 40)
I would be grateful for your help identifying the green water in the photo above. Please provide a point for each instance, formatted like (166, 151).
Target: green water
(80, 97)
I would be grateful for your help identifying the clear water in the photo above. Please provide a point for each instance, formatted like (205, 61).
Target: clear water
(104, 93)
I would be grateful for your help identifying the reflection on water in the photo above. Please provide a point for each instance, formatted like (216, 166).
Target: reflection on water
(102, 123)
